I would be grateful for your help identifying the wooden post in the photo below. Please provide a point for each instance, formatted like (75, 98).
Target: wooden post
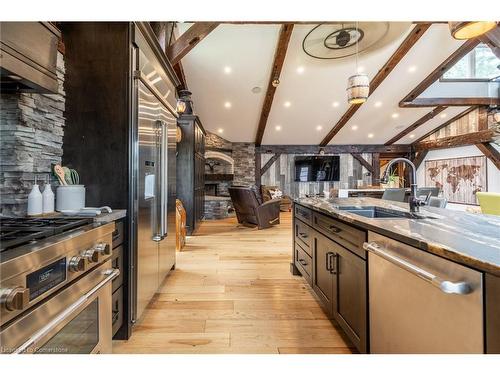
(376, 169)
(257, 169)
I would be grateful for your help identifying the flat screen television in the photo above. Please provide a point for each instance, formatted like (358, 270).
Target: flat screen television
(317, 168)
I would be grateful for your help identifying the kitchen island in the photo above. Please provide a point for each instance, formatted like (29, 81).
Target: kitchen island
(337, 246)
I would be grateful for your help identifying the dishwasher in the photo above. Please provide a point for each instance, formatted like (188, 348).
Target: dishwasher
(421, 303)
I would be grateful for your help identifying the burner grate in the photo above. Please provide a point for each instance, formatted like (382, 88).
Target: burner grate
(17, 231)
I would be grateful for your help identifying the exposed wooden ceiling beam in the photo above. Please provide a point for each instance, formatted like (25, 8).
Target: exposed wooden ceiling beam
(269, 163)
(279, 58)
(484, 136)
(363, 162)
(464, 49)
(452, 102)
(412, 38)
(333, 149)
(179, 70)
(187, 41)
(420, 158)
(490, 152)
(445, 124)
(422, 120)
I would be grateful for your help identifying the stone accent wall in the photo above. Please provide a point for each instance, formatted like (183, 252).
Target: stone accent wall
(214, 141)
(244, 163)
(31, 138)
(218, 208)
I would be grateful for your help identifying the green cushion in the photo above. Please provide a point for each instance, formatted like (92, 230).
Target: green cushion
(490, 203)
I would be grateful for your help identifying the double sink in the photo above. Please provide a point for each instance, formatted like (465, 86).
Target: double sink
(376, 212)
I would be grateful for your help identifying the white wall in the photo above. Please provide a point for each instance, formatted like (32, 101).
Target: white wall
(492, 172)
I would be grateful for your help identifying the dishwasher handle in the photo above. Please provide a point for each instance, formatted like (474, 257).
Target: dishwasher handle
(446, 286)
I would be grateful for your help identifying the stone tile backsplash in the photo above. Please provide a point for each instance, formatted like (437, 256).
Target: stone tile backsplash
(31, 139)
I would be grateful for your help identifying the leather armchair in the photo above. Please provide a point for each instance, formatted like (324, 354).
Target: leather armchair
(250, 211)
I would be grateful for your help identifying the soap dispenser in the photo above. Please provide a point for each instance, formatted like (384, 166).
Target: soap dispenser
(48, 197)
(35, 200)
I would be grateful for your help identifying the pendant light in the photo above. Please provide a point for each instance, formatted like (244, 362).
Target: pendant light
(358, 85)
(470, 29)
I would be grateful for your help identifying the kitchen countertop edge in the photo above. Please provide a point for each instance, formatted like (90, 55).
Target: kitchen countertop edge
(425, 245)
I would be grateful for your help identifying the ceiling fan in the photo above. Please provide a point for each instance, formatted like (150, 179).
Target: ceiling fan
(330, 41)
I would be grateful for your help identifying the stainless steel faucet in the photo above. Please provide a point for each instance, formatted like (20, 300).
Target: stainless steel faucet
(414, 201)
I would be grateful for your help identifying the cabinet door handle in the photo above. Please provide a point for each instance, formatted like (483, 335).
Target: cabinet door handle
(328, 261)
(303, 262)
(334, 266)
(303, 235)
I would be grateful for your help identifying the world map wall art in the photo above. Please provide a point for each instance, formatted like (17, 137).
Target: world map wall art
(459, 178)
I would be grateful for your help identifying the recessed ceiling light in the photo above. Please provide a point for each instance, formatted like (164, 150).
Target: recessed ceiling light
(277, 127)
(412, 69)
(378, 104)
(354, 127)
(335, 104)
(287, 104)
(227, 69)
(412, 136)
(443, 115)
(361, 69)
(395, 115)
(319, 127)
(300, 69)
(220, 130)
(227, 104)
(370, 135)
(256, 89)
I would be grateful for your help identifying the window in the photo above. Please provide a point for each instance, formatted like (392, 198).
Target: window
(479, 64)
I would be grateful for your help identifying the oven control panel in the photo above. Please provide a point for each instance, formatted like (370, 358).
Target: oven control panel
(46, 278)
(59, 265)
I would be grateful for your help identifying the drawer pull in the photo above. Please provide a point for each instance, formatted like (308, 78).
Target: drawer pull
(303, 235)
(335, 229)
(303, 262)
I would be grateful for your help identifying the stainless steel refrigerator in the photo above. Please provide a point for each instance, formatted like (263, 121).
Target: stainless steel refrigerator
(156, 146)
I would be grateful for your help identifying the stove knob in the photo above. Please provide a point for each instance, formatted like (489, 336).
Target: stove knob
(103, 248)
(92, 255)
(14, 298)
(77, 264)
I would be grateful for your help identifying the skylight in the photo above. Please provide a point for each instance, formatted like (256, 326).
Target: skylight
(479, 64)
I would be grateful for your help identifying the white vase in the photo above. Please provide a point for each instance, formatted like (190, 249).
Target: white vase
(48, 199)
(35, 201)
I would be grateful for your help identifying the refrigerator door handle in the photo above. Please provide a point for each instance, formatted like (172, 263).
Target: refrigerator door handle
(163, 178)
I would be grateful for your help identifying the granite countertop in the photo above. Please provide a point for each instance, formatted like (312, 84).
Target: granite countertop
(113, 216)
(465, 238)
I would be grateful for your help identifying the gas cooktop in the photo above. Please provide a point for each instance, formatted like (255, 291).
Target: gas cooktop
(19, 231)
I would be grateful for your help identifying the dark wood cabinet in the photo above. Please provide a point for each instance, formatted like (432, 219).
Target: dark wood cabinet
(191, 170)
(323, 278)
(350, 304)
(339, 274)
(492, 313)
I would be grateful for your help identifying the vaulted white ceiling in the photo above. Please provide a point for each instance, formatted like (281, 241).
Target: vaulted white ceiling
(225, 66)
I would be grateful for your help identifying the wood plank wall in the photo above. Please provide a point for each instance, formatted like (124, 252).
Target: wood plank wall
(282, 174)
(469, 123)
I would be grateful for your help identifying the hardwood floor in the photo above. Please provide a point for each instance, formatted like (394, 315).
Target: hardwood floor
(232, 292)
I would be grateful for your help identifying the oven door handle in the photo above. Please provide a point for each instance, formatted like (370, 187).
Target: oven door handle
(110, 275)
